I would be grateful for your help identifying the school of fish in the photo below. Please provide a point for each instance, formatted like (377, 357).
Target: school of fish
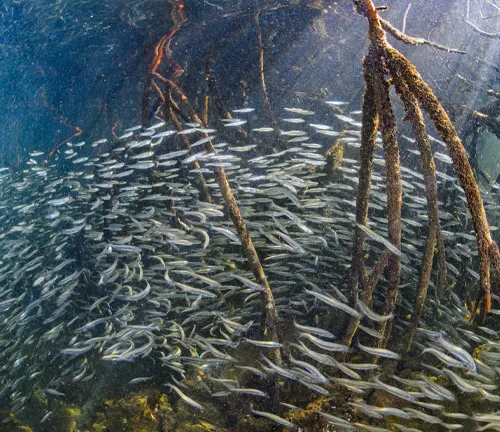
(109, 254)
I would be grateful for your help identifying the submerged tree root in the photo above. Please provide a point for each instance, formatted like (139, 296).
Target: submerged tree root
(175, 103)
(399, 65)
(394, 185)
(270, 315)
(414, 115)
(368, 137)
(383, 60)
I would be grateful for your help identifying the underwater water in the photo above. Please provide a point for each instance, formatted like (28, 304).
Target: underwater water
(185, 244)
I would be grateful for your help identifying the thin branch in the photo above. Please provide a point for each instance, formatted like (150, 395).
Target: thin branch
(405, 17)
(401, 36)
(262, 81)
(482, 32)
(492, 4)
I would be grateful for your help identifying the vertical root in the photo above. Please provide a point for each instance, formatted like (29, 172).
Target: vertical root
(394, 188)
(206, 106)
(368, 137)
(414, 115)
(262, 82)
(270, 313)
(262, 79)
